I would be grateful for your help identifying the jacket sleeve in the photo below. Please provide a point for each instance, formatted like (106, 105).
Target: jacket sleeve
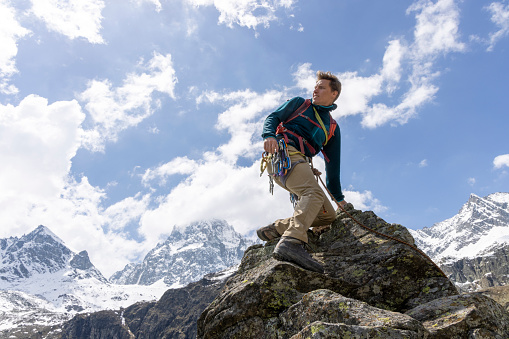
(332, 167)
(279, 115)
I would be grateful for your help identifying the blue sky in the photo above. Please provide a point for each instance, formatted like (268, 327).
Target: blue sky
(120, 120)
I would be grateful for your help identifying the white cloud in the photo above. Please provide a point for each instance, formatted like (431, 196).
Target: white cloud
(10, 32)
(471, 181)
(37, 143)
(113, 110)
(126, 211)
(157, 3)
(72, 18)
(182, 165)
(501, 161)
(500, 17)
(245, 13)
(364, 201)
(423, 163)
(436, 31)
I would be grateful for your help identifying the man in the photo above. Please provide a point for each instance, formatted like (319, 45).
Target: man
(305, 134)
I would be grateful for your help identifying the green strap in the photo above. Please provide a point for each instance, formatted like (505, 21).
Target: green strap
(317, 116)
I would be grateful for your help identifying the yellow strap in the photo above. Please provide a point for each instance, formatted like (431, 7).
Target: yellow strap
(317, 116)
(296, 152)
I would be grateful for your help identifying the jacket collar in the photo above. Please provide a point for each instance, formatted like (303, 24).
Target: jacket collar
(325, 108)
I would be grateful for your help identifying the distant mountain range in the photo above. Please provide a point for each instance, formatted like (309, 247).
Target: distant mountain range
(187, 255)
(472, 247)
(43, 282)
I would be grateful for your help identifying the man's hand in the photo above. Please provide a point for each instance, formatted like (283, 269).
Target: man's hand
(270, 145)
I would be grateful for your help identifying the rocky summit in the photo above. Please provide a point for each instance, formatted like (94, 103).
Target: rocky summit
(373, 287)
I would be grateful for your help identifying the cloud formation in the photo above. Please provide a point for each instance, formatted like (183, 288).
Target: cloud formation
(72, 18)
(245, 13)
(10, 32)
(114, 109)
(500, 17)
(501, 161)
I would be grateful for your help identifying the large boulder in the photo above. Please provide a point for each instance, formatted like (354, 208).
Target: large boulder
(370, 281)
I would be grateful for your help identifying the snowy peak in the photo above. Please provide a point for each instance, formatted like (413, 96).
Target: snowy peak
(42, 252)
(187, 255)
(37, 252)
(479, 224)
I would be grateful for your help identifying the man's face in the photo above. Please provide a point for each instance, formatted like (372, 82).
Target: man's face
(323, 94)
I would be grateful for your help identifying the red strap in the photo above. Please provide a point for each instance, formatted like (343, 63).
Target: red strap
(302, 108)
(302, 141)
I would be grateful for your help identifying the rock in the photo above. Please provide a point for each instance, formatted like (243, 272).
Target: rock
(98, 325)
(463, 316)
(361, 265)
(499, 293)
(489, 269)
(173, 316)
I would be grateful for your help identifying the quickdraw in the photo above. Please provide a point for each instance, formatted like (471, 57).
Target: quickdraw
(279, 163)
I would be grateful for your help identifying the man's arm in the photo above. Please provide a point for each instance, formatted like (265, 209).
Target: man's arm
(332, 167)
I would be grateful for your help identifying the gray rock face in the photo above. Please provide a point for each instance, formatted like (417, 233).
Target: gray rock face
(481, 272)
(463, 316)
(372, 287)
(173, 316)
(187, 255)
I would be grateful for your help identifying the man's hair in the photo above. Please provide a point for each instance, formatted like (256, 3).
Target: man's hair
(334, 83)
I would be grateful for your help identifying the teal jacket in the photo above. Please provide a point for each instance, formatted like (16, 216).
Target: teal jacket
(313, 135)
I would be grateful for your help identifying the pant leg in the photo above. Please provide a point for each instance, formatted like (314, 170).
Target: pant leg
(313, 207)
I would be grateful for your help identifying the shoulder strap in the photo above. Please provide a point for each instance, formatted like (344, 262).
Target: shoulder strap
(299, 110)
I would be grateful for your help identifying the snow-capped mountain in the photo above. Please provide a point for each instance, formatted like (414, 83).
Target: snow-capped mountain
(187, 255)
(42, 252)
(480, 223)
(42, 282)
(472, 246)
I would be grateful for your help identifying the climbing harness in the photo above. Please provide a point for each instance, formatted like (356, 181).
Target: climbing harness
(318, 176)
(303, 143)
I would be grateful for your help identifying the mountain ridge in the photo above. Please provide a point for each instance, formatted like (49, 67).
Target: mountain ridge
(480, 223)
(188, 254)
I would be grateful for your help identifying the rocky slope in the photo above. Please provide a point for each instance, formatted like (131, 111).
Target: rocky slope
(373, 287)
(472, 247)
(173, 316)
(187, 255)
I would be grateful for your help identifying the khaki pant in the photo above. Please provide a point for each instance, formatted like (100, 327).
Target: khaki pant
(313, 208)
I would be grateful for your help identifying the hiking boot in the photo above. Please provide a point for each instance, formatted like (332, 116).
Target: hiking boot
(268, 232)
(292, 250)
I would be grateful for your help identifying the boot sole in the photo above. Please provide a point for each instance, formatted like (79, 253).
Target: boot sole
(281, 257)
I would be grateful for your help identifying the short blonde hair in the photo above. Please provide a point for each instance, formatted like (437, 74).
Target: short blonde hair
(334, 83)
